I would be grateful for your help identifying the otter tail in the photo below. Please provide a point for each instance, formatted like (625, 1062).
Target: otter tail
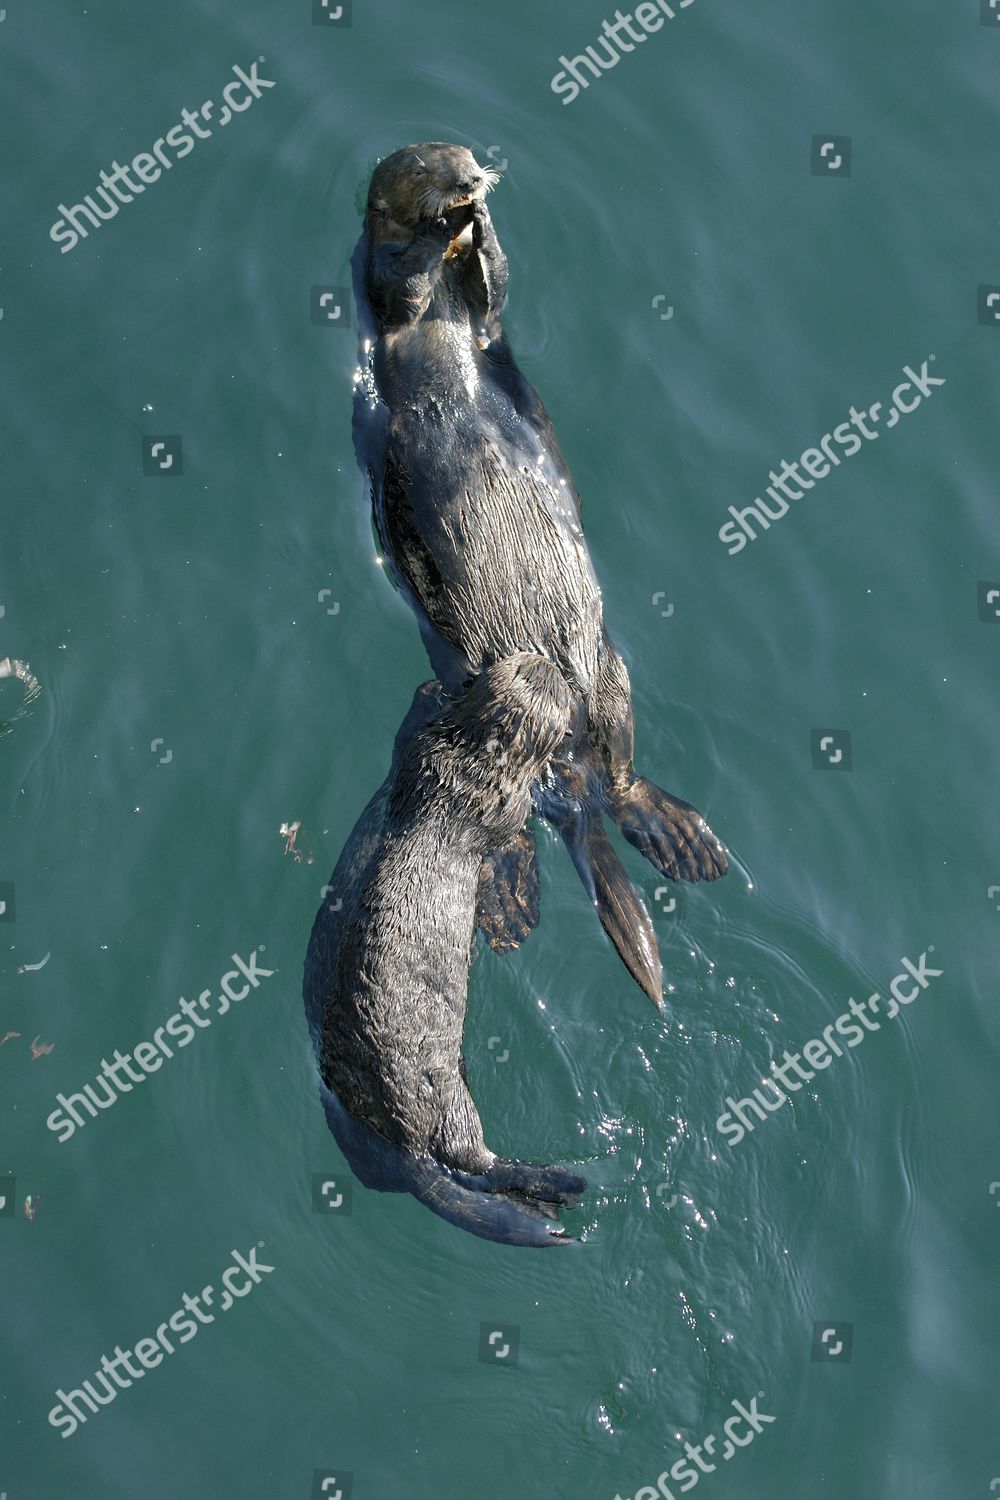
(570, 805)
(620, 907)
(507, 903)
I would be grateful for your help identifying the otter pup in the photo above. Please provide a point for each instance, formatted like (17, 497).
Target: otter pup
(476, 511)
(386, 972)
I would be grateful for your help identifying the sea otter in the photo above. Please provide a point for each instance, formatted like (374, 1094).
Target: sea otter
(386, 972)
(478, 517)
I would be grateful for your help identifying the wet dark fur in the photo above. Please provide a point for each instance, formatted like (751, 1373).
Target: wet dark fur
(478, 516)
(386, 974)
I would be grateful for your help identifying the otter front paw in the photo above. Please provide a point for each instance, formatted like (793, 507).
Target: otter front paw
(481, 222)
(435, 229)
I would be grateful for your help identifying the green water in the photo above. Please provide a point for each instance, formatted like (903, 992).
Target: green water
(197, 693)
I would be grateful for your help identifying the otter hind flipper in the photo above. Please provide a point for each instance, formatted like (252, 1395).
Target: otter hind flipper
(473, 1203)
(547, 1186)
(505, 1218)
(671, 834)
(507, 899)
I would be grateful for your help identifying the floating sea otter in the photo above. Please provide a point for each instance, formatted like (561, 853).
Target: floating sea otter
(478, 516)
(386, 972)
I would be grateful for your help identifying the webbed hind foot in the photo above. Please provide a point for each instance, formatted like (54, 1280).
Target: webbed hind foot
(544, 1185)
(485, 1207)
(672, 834)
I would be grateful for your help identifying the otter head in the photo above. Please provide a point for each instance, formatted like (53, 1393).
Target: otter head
(498, 739)
(432, 181)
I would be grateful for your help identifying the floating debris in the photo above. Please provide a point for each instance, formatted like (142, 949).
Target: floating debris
(31, 1205)
(40, 1048)
(31, 968)
(290, 832)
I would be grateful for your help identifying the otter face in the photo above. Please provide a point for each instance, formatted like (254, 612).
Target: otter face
(435, 180)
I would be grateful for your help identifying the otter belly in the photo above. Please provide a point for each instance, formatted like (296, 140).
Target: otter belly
(480, 519)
